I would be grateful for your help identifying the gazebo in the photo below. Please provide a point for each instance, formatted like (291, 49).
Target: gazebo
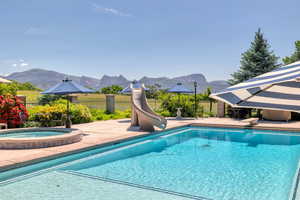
(135, 84)
(179, 88)
(67, 87)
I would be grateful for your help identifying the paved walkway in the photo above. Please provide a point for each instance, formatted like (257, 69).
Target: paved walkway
(105, 132)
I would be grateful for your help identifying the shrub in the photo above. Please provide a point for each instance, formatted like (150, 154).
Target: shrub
(12, 111)
(164, 113)
(7, 89)
(29, 124)
(47, 99)
(12, 88)
(56, 111)
(102, 115)
(170, 103)
(208, 114)
(114, 89)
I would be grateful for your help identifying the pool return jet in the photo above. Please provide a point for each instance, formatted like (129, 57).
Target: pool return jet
(141, 113)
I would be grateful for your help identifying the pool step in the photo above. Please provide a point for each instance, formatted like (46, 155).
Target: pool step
(135, 185)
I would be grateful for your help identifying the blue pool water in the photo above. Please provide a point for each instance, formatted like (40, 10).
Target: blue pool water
(188, 163)
(31, 134)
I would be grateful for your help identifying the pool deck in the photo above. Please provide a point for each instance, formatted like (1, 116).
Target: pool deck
(108, 132)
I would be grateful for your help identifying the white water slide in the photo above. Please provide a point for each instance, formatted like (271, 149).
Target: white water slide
(142, 115)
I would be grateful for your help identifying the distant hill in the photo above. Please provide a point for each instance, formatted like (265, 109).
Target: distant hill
(45, 79)
(112, 80)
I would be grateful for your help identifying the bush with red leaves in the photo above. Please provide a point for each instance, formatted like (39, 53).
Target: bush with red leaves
(12, 111)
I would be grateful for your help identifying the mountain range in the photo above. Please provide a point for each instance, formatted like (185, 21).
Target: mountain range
(44, 79)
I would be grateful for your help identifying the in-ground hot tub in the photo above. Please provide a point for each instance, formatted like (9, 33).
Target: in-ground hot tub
(30, 138)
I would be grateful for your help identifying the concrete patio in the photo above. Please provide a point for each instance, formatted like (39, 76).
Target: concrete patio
(107, 132)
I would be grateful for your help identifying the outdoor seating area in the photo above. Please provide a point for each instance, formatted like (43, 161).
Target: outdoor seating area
(276, 115)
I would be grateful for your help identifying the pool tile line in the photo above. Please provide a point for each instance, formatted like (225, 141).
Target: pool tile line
(134, 185)
(235, 125)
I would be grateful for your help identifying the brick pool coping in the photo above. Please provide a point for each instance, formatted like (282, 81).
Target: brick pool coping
(103, 133)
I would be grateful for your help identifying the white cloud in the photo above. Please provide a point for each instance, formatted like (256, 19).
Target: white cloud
(8, 66)
(17, 63)
(24, 64)
(35, 31)
(112, 11)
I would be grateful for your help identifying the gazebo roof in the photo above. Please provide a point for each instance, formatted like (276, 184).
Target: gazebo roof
(67, 87)
(179, 88)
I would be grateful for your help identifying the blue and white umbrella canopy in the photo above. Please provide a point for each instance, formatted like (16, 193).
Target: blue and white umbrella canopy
(64, 88)
(179, 88)
(67, 87)
(134, 84)
(275, 90)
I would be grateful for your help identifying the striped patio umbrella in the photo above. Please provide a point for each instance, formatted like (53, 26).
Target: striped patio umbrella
(2, 80)
(275, 90)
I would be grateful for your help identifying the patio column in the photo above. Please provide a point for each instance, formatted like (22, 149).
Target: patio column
(110, 103)
(220, 109)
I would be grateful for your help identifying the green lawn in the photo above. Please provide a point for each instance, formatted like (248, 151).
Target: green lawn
(98, 101)
(31, 96)
(91, 100)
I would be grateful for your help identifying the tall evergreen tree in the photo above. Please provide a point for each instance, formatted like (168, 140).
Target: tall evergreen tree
(295, 56)
(258, 59)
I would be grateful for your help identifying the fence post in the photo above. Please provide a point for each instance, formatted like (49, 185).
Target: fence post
(74, 99)
(220, 109)
(110, 103)
(23, 99)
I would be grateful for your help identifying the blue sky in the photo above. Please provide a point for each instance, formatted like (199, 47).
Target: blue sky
(141, 37)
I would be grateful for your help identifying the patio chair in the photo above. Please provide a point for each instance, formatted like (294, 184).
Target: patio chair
(276, 115)
(3, 125)
(251, 121)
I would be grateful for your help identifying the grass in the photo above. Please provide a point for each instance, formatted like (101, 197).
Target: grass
(31, 96)
(98, 101)
(90, 100)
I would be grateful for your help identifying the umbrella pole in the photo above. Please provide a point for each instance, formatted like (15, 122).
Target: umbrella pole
(68, 121)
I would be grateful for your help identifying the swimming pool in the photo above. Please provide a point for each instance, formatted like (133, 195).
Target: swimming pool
(185, 163)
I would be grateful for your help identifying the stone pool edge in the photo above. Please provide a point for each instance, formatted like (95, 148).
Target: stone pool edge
(12, 165)
(71, 136)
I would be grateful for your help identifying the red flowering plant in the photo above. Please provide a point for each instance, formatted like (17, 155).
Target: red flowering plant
(12, 111)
